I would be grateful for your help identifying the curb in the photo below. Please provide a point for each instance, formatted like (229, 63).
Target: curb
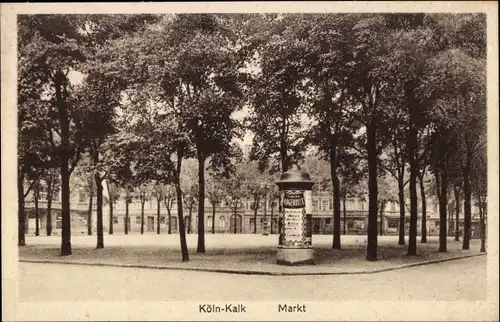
(248, 272)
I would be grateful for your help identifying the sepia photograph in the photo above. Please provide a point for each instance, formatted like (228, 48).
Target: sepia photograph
(250, 165)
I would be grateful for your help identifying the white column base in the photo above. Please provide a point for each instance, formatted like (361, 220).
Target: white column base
(295, 256)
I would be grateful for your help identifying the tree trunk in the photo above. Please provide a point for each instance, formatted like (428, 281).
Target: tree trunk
(401, 198)
(412, 148)
(110, 195)
(345, 216)
(456, 191)
(37, 214)
(49, 207)
(59, 79)
(371, 252)
(158, 204)
(89, 211)
(424, 211)
(382, 206)
(482, 213)
(213, 219)
(190, 218)
(143, 201)
(99, 201)
(467, 204)
(169, 220)
(201, 202)
(451, 224)
(336, 194)
(126, 215)
(442, 180)
(235, 221)
(21, 216)
(178, 191)
(272, 213)
(256, 201)
(65, 210)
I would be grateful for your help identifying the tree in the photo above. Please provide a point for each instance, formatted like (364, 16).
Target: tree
(36, 194)
(99, 95)
(479, 185)
(424, 163)
(275, 98)
(158, 193)
(352, 173)
(273, 195)
(328, 84)
(386, 195)
(254, 187)
(168, 200)
(85, 174)
(234, 190)
(463, 104)
(51, 188)
(113, 196)
(456, 185)
(457, 78)
(395, 161)
(116, 165)
(144, 194)
(51, 46)
(191, 79)
(367, 80)
(215, 195)
(413, 45)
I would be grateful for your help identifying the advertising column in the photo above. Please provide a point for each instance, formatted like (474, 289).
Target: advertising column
(295, 244)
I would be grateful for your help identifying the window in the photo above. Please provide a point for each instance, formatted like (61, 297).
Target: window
(138, 220)
(222, 222)
(252, 222)
(325, 205)
(209, 221)
(81, 197)
(55, 196)
(115, 220)
(393, 224)
(162, 219)
(330, 204)
(362, 205)
(393, 206)
(328, 221)
(315, 205)
(435, 207)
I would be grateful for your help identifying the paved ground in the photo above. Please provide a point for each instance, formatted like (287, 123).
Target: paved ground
(241, 253)
(463, 279)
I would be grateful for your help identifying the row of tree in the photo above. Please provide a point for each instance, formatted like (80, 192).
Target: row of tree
(399, 95)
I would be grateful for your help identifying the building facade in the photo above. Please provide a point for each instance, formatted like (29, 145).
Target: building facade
(354, 216)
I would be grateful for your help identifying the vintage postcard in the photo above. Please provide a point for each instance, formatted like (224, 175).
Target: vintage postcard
(250, 161)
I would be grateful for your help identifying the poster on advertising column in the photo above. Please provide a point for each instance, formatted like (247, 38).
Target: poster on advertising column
(294, 233)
